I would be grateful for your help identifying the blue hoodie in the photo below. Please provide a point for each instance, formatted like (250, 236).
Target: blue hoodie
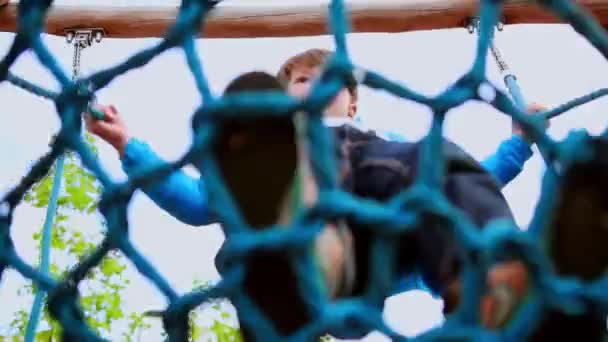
(184, 197)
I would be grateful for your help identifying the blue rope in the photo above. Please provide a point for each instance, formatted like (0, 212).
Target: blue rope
(510, 80)
(391, 220)
(515, 91)
(45, 254)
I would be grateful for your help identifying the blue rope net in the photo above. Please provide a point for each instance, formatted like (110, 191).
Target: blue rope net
(396, 217)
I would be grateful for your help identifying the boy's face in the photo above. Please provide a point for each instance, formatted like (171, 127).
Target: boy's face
(300, 85)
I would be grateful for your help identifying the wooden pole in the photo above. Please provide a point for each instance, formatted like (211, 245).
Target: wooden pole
(282, 21)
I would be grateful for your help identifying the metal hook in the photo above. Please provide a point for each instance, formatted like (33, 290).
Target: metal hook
(69, 37)
(472, 24)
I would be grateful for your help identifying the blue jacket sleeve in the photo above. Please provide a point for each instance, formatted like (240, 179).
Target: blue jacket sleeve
(182, 196)
(509, 159)
(390, 136)
(505, 164)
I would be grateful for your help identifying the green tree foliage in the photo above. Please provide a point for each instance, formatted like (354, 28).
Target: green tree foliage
(222, 327)
(102, 289)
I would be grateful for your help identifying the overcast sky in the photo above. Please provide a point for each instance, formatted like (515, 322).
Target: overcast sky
(552, 62)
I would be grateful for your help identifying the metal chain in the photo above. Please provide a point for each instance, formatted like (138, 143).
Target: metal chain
(76, 60)
(82, 39)
(502, 64)
(473, 27)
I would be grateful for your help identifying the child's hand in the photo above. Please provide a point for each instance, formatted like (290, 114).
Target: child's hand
(532, 109)
(112, 129)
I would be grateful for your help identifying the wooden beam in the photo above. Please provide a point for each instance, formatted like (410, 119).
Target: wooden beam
(282, 21)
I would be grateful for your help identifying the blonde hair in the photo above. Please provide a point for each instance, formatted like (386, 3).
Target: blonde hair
(311, 58)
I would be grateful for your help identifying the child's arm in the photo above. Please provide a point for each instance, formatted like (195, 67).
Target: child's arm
(511, 155)
(509, 159)
(180, 195)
